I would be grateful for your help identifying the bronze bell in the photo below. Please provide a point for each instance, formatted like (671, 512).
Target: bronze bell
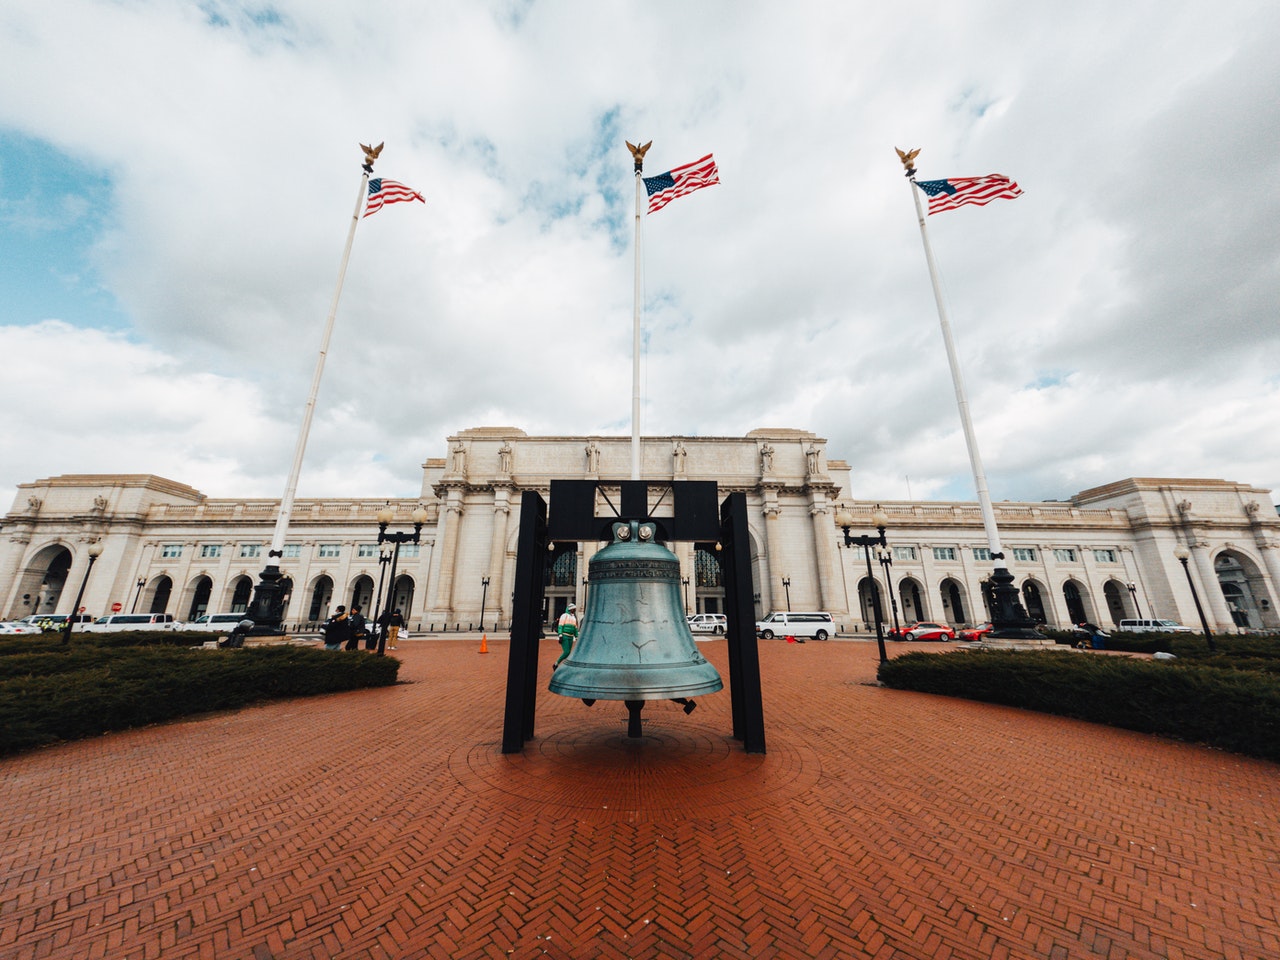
(634, 643)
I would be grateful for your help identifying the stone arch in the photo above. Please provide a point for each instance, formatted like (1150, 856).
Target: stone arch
(1033, 599)
(320, 598)
(361, 594)
(708, 579)
(42, 582)
(196, 597)
(161, 591)
(400, 594)
(239, 593)
(1118, 601)
(951, 592)
(560, 581)
(869, 592)
(911, 599)
(1079, 604)
(1244, 588)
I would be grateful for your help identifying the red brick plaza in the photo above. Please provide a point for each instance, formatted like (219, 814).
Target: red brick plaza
(386, 823)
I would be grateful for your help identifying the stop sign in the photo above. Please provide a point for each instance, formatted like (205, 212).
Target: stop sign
(117, 607)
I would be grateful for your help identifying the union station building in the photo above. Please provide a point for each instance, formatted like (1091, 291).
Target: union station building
(1105, 554)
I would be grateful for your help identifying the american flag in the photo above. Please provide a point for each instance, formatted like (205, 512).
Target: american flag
(388, 191)
(665, 187)
(957, 191)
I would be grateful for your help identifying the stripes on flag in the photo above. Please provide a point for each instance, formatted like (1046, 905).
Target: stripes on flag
(388, 191)
(666, 187)
(957, 191)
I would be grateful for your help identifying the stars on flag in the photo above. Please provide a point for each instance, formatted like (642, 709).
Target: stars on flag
(383, 191)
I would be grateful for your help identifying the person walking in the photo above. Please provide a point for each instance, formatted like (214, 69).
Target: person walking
(337, 629)
(567, 631)
(394, 621)
(359, 628)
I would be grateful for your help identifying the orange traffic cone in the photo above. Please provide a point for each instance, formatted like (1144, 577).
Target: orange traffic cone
(791, 639)
(484, 643)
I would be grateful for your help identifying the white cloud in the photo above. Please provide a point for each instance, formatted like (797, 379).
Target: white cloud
(1116, 320)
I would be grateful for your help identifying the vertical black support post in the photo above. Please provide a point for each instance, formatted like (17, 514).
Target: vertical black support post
(526, 623)
(744, 655)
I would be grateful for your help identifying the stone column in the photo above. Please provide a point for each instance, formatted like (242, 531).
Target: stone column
(498, 548)
(1270, 550)
(824, 551)
(1211, 597)
(452, 517)
(771, 563)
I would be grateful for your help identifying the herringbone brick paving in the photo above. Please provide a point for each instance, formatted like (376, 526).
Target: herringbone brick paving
(881, 824)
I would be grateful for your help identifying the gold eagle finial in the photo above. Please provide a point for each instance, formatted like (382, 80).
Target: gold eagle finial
(907, 160)
(637, 153)
(370, 155)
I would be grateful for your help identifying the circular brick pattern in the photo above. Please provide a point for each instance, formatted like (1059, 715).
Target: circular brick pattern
(593, 771)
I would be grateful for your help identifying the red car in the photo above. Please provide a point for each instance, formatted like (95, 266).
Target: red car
(975, 633)
(930, 631)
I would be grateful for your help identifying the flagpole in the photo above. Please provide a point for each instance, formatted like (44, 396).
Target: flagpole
(267, 609)
(638, 154)
(1009, 619)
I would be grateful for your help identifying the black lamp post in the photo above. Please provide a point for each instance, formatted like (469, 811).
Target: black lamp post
(484, 595)
(685, 581)
(384, 558)
(844, 520)
(95, 551)
(385, 516)
(1133, 592)
(786, 585)
(137, 596)
(1182, 554)
(886, 561)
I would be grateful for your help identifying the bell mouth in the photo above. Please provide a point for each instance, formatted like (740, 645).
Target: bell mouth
(604, 681)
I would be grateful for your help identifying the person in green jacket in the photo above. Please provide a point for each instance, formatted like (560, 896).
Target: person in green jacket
(567, 631)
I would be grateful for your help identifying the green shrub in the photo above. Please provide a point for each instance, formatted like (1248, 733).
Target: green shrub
(1231, 708)
(72, 692)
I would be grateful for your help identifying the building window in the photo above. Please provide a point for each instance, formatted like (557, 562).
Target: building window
(904, 553)
(1064, 555)
(410, 549)
(250, 549)
(1104, 556)
(291, 551)
(1025, 554)
(982, 553)
(330, 550)
(171, 550)
(944, 553)
(211, 550)
(367, 550)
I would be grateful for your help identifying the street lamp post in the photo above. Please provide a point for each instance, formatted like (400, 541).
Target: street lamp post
(844, 520)
(1182, 554)
(886, 561)
(95, 551)
(141, 583)
(385, 516)
(484, 595)
(384, 558)
(685, 581)
(1133, 592)
(786, 585)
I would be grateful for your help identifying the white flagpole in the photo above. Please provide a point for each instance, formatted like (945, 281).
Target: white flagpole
(635, 333)
(962, 400)
(291, 489)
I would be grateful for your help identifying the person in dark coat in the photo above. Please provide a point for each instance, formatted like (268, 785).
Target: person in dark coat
(359, 628)
(337, 629)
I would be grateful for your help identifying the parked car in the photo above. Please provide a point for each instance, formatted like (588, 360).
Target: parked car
(16, 627)
(54, 621)
(1154, 626)
(715, 623)
(220, 622)
(815, 625)
(931, 631)
(133, 621)
(974, 633)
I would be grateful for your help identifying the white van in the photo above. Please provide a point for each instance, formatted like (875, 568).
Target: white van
(219, 622)
(1154, 626)
(132, 621)
(816, 626)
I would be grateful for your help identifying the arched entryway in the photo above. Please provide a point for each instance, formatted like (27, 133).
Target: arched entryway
(560, 582)
(241, 594)
(1245, 590)
(1116, 595)
(362, 594)
(199, 591)
(321, 597)
(401, 595)
(952, 601)
(42, 582)
(1033, 601)
(708, 580)
(1074, 597)
(160, 590)
(910, 599)
(870, 595)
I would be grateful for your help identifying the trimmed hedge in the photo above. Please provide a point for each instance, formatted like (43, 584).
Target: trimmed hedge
(67, 693)
(1222, 704)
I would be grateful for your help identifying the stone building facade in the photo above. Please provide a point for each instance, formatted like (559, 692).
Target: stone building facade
(1105, 554)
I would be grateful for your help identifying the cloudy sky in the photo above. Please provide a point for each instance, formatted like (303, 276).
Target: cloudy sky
(177, 180)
